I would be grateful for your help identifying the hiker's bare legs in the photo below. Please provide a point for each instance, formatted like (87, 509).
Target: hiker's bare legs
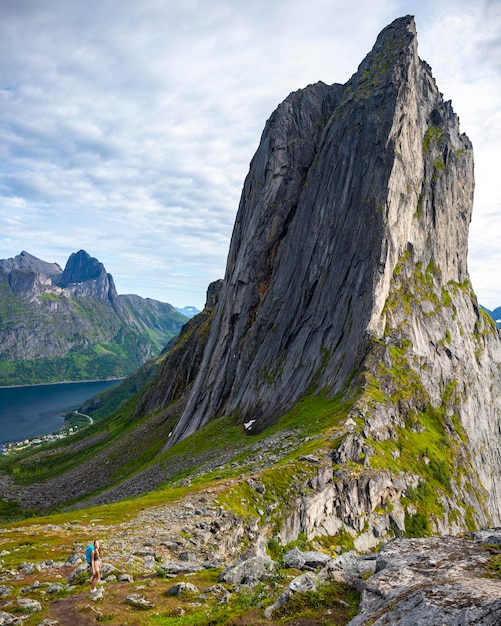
(96, 575)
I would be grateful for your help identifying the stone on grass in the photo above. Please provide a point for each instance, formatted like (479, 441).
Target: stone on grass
(248, 571)
(344, 568)
(97, 594)
(183, 589)
(79, 575)
(74, 559)
(30, 605)
(4, 591)
(215, 590)
(179, 567)
(125, 578)
(26, 568)
(301, 584)
(7, 618)
(108, 570)
(139, 602)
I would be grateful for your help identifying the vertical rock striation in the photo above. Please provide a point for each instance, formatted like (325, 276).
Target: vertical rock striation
(348, 265)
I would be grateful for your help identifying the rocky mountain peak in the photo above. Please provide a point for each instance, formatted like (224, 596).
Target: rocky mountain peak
(81, 267)
(348, 266)
(85, 276)
(55, 324)
(339, 188)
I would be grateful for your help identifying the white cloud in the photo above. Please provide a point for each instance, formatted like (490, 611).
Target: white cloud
(127, 128)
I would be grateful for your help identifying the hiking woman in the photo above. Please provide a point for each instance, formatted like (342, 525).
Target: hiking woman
(95, 565)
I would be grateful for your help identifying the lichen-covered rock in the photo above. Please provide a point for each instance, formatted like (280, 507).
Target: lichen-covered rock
(300, 584)
(248, 571)
(183, 589)
(6, 619)
(29, 604)
(441, 580)
(139, 602)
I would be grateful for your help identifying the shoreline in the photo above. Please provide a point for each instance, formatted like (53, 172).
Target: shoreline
(64, 382)
(61, 412)
(7, 447)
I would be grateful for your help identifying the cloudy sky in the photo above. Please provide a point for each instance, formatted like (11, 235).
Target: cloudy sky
(127, 127)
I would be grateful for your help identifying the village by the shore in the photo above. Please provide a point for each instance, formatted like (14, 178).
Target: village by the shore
(66, 431)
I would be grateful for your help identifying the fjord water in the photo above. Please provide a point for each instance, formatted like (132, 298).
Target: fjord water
(27, 412)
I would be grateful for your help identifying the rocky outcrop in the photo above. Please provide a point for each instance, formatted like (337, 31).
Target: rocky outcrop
(431, 581)
(72, 324)
(347, 274)
(450, 581)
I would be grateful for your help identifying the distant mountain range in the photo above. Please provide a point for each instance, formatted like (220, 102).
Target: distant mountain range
(496, 315)
(189, 311)
(71, 324)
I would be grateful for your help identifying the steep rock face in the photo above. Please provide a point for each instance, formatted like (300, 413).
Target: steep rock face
(85, 276)
(183, 356)
(348, 266)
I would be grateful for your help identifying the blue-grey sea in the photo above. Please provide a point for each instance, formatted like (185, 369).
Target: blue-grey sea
(27, 412)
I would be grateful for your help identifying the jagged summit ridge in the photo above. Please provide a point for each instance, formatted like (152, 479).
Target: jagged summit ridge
(72, 324)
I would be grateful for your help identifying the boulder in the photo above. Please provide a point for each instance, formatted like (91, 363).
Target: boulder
(248, 571)
(74, 559)
(108, 570)
(440, 580)
(125, 578)
(139, 602)
(179, 567)
(344, 568)
(305, 560)
(300, 584)
(183, 589)
(30, 605)
(294, 558)
(490, 536)
(79, 575)
(7, 618)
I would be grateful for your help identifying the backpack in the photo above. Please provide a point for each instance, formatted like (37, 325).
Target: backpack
(88, 554)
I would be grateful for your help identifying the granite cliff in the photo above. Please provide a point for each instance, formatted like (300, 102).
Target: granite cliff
(71, 324)
(347, 274)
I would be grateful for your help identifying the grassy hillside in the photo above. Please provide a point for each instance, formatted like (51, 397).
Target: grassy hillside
(81, 338)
